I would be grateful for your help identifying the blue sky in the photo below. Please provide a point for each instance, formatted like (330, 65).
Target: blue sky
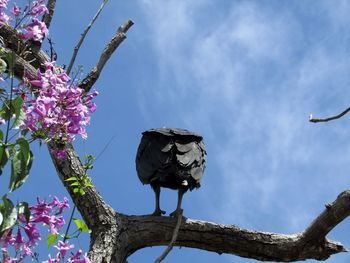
(244, 74)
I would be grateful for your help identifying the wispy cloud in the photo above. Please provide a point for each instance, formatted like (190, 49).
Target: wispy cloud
(247, 79)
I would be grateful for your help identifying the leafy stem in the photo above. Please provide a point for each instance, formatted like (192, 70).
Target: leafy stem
(11, 60)
(69, 223)
(79, 184)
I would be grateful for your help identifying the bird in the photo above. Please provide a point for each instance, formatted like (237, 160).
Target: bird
(172, 158)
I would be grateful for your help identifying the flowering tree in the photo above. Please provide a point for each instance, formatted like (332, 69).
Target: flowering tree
(48, 105)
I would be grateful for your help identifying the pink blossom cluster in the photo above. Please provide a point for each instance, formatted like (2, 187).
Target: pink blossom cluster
(49, 214)
(58, 107)
(31, 27)
(63, 248)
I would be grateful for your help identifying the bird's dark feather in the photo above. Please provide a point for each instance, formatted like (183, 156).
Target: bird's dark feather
(168, 157)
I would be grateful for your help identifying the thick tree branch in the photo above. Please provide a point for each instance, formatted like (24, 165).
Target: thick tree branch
(99, 217)
(95, 212)
(118, 38)
(333, 214)
(311, 119)
(47, 18)
(83, 35)
(310, 244)
(23, 49)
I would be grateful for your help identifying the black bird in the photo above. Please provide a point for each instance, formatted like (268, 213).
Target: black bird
(172, 158)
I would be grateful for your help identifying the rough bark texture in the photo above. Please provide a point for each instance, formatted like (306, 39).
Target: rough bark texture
(116, 236)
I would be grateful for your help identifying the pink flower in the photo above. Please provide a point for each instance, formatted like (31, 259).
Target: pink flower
(15, 10)
(19, 241)
(76, 258)
(3, 3)
(59, 154)
(55, 223)
(4, 19)
(38, 9)
(27, 252)
(7, 239)
(11, 260)
(60, 107)
(63, 248)
(60, 204)
(42, 208)
(36, 30)
(52, 260)
(33, 233)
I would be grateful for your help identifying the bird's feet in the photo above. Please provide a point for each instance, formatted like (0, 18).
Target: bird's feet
(158, 212)
(177, 212)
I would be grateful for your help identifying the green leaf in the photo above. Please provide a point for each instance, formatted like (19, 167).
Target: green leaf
(23, 208)
(11, 148)
(24, 148)
(81, 191)
(10, 59)
(89, 185)
(20, 167)
(9, 213)
(81, 225)
(3, 66)
(75, 184)
(20, 115)
(1, 135)
(73, 178)
(6, 110)
(5, 156)
(75, 190)
(51, 239)
(24, 132)
(39, 134)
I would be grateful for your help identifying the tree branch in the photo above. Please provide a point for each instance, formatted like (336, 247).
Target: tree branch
(95, 212)
(47, 18)
(83, 35)
(333, 214)
(118, 38)
(330, 118)
(311, 244)
(98, 216)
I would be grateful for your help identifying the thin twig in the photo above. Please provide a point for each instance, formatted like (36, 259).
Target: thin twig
(330, 118)
(70, 221)
(48, 17)
(83, 35)
(118, 38)
(105, 147)
(173, 239)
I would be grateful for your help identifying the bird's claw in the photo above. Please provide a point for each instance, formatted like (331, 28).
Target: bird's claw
(176, 212)
(158, 212)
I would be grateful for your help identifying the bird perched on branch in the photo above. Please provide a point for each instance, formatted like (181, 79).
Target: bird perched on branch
(172, 158)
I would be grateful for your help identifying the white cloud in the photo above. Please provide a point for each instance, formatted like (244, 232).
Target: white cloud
(248, 81)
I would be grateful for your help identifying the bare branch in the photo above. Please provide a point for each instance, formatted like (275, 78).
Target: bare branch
(330, 118)
(333, 214)
(83, 35)
(48, 17)
(27, 55)
(173, 239)
(264, 246)
(118, 38)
